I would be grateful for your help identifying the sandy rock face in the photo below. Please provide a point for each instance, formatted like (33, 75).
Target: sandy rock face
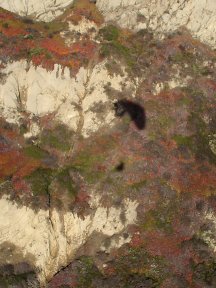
(164, 16)
(160, 16)
(110, 157)
(40, 92)
(41, 10)
(53, 238)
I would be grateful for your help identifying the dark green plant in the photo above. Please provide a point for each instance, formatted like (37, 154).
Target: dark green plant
(109, 33)
(5, 25)
(34, 152)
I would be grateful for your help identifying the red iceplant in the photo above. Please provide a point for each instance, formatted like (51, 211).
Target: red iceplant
(56, 47)
(85, 49)
(13, 31)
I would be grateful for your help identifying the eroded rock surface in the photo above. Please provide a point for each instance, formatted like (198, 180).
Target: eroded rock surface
(107, 147)
(40, 10)
(164, 16)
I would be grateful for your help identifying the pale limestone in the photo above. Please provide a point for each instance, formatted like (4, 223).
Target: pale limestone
(84, 27)
(199, 16)
(54, 237)
(43, 92)
(208, 236)
(45, 10)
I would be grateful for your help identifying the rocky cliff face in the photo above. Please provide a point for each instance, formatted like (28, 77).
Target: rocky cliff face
(160, 16)
(107, 144)
(40, 10)
(164, 16)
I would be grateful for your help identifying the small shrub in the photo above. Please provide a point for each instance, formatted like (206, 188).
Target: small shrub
(110, 33)
(5, 25)
(36, 51)
(58, 138)
(27, 20)
(65, 181)
(183, 140)
(40, 180)
(34, 152)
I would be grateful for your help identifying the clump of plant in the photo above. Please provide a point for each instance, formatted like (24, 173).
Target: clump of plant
(5, 25)
(39, 181)
(87, 164)
(205, 272)
(59, 138)
(36, 51)
(65, 182)
(87, 272)
(34, 152)
(112, 44)
(137, 267)
(110, 33)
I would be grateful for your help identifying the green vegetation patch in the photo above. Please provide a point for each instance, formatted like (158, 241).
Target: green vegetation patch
(86, 163)
(40, 181)
(183, 57)
(137, 262)
(139, 185)
(65, 181)
(201, 145)
(205, 272)
(59, 138)
(161, 217)
(111, 45)
(184, 140)
(36, 51)
(110, 33)
(34, 152)
(8, 281)
(87, 272)
(155, 219)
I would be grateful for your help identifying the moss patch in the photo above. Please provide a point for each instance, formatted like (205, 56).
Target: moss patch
(87, 272)
(184, 140)
(34, 152)
(201, 145)
(86, 163)
(40, 180)
(205, 272)
(65, 182)
(138, 265)
(59, 138)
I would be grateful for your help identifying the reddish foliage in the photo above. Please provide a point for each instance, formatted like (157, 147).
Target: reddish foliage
(201, 183)
(82, 197)
(208, 85)
(20, 185)
(6, 15)
(29, 44)
(85, 49)
(171, 96)
(55, 47)
(9, 162)
(136, 240)
(14, 163)
(109, 270)
(48, 64)
(64, 278)
(37, 59)
(159, 244)
(13, 31)
(27, 167)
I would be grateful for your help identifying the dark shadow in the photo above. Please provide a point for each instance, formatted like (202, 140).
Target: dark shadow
(120, 167)
(136, 112)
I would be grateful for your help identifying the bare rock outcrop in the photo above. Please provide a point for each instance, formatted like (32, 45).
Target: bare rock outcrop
(164, 16)
(40, 10)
